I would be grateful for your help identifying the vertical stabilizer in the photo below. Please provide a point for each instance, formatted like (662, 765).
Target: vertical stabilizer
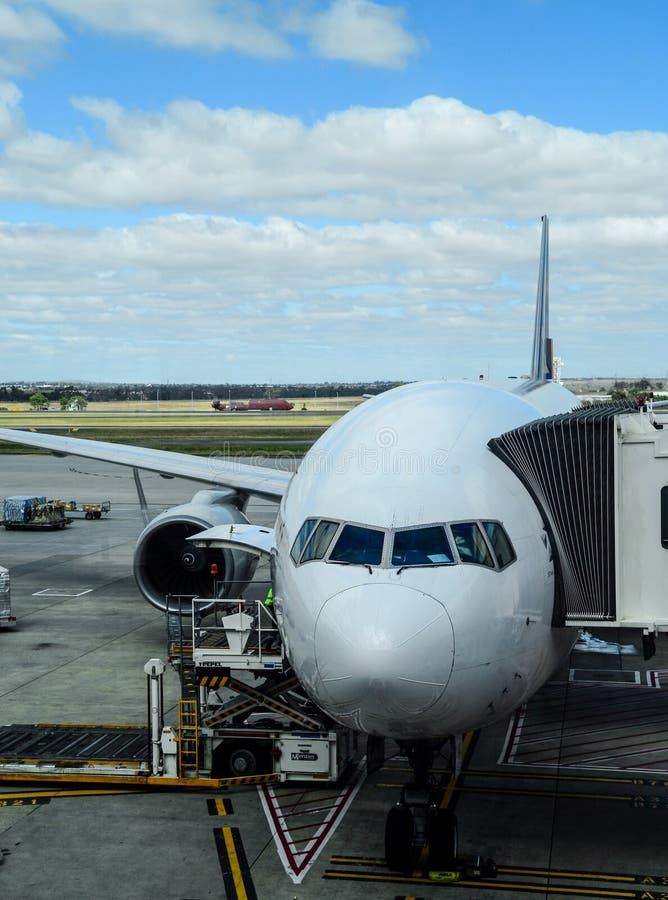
(542, 359)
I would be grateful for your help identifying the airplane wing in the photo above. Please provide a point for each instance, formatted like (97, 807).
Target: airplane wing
(214, 470)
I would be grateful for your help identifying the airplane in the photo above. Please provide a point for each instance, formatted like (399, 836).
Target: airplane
(253, 405)
(413, 578)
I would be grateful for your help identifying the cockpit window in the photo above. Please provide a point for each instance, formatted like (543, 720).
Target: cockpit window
(421, 547)
(483, 543)
(302, 536)
(358, 546)
(320, 540)
(503, 549)
(471, 544)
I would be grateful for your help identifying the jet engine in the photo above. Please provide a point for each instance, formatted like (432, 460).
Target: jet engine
(166, 562)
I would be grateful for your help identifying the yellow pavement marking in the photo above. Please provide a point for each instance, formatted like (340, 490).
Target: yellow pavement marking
(233, 859)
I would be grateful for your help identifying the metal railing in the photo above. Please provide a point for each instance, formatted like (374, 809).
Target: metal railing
(239, 633)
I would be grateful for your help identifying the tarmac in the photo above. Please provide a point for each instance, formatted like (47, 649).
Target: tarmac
(569, 797)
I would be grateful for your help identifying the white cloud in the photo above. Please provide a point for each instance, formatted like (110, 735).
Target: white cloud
(424, 280)
(433, 157)
(358, 31)
(28, 39)
(292, 301)
(361, 31)
(197, 24)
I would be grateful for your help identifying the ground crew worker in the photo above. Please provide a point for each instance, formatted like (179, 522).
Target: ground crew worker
(269, 599)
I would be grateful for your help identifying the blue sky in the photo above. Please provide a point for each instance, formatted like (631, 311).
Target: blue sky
(329, 189)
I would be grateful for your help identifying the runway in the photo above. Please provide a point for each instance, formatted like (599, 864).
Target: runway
(570, 797)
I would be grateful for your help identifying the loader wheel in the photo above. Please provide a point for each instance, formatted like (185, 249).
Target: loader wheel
(241, 762)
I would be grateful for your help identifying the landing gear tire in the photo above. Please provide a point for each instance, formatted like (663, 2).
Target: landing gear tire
(443, 840)
(400, 853)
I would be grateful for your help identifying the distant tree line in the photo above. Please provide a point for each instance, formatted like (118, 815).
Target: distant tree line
(64, 394)
(633, 390)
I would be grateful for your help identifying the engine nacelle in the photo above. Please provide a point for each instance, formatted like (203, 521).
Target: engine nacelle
(166, 562)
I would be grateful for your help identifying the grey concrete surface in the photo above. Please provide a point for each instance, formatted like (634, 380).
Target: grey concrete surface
(77, 655)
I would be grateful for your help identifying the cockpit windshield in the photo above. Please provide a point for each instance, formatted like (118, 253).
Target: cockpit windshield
(470, 544)
(300, 541)
(503, 549)
(477, 542)
(421, 547)
(358, 545)
(320, 540)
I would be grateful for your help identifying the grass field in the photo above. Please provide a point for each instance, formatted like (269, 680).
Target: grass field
(327, 405)
(164, 419)
(176, 426)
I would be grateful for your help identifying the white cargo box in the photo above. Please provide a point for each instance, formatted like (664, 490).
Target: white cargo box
(306, 754)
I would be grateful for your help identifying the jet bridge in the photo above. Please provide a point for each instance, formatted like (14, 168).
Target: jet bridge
(599, 477)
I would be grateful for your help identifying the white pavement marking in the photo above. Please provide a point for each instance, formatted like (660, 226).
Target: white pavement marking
(330, 810)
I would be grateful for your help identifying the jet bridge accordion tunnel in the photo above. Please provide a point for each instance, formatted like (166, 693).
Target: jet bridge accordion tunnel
(567, 463)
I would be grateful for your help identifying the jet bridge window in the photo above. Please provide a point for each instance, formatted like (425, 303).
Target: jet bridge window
(300, 541)
(470, 544)
(320, 540)
(503, 549)
(421, 547)
(357, 545)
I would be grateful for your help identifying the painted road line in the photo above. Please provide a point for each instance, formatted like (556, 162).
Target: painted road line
(219, 807)
(28, 801)
(468, 743)
(512, 886)
(627, 878)
(589, 779)
(301, 827)
(648, 882)
(357, 860)
(23, 795)
(594, 726)
(568, 795)
(637, 801)
(234, 865)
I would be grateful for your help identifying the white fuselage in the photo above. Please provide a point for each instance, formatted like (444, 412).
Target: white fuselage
(415, 652)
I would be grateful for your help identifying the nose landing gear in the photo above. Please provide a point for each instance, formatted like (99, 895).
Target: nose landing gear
(420, 832)
(417, 824)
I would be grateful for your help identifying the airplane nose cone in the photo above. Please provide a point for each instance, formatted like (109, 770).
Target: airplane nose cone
(384, 654)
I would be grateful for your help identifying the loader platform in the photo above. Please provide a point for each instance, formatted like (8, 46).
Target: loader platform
(74, 749)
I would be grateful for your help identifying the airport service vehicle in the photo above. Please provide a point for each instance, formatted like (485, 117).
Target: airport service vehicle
(27, 511)
(7, 620)
(91, 510)
(243, 717)
(427, 576)
(253, 717)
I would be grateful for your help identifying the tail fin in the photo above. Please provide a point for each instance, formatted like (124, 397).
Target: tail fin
(542, 360)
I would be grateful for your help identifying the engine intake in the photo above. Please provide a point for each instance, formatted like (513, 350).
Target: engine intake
(166, 562)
